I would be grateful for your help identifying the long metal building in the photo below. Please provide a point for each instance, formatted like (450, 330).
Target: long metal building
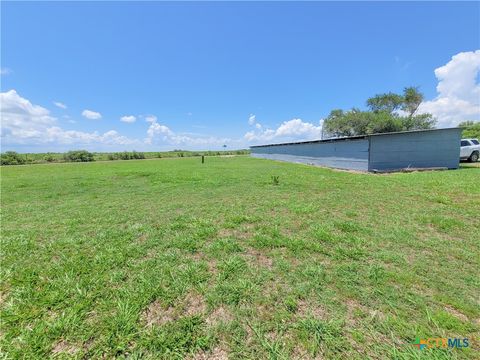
(436, 148)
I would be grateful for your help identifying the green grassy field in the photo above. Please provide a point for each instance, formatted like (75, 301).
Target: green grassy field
(174, 259)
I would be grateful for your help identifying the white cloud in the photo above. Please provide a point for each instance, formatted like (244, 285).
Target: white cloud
(292, 130)
(60, 105)
(26, 123)
(252, 119)
(150, 118)
(158, 134)
(68, 119)
(128, 119)
(92, 115)
(5, 71)
(458, 91)
(156, 131)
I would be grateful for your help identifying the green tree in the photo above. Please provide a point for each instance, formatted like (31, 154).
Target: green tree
(383, 115)
(471, 129)
(388, 102)
(412, 98)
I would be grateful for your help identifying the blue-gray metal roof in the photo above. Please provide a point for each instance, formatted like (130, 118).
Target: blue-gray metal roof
(346, 138)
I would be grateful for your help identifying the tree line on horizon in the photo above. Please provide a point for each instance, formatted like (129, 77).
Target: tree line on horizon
(14, 158)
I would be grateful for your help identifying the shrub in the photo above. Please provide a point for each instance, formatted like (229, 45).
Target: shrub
(137, 155)
(126, 155)
(78, 156)
(49, 158)
(12, 158)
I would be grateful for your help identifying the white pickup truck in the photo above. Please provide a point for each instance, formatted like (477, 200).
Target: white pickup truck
(469, 150)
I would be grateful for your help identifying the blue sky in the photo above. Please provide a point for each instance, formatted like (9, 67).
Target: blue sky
(198, 75)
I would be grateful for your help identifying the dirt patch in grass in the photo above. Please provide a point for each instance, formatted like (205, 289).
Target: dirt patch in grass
(355, 310)
(194, 304)
(141, 239)
(157, 314)
(242, 234)
(211, 263)
(249, 334)
(3, 296)
(257, 258)
(275, 290)
(284, 253)
(299, 353)
(272, 336)
(219, 315)
(88, 344)
(150, 254)
(212, 266)
(64, 347)
(198, 256)
(353, 307)
(304, 308)
(216, 354)
(456, 313)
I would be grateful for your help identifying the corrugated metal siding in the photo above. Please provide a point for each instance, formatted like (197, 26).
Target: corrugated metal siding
(348, 154)
(440, 148)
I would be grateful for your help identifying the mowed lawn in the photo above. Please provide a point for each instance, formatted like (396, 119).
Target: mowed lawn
(172, 258)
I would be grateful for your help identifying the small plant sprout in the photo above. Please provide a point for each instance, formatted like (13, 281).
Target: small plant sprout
(275, 179)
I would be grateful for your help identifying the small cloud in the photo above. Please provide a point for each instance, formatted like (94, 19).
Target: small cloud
(189, 114)
(252, 120)
(92, 115)
(68, 119)
(59, 104)
(128, 119)
(5, 71)
(150, 118)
